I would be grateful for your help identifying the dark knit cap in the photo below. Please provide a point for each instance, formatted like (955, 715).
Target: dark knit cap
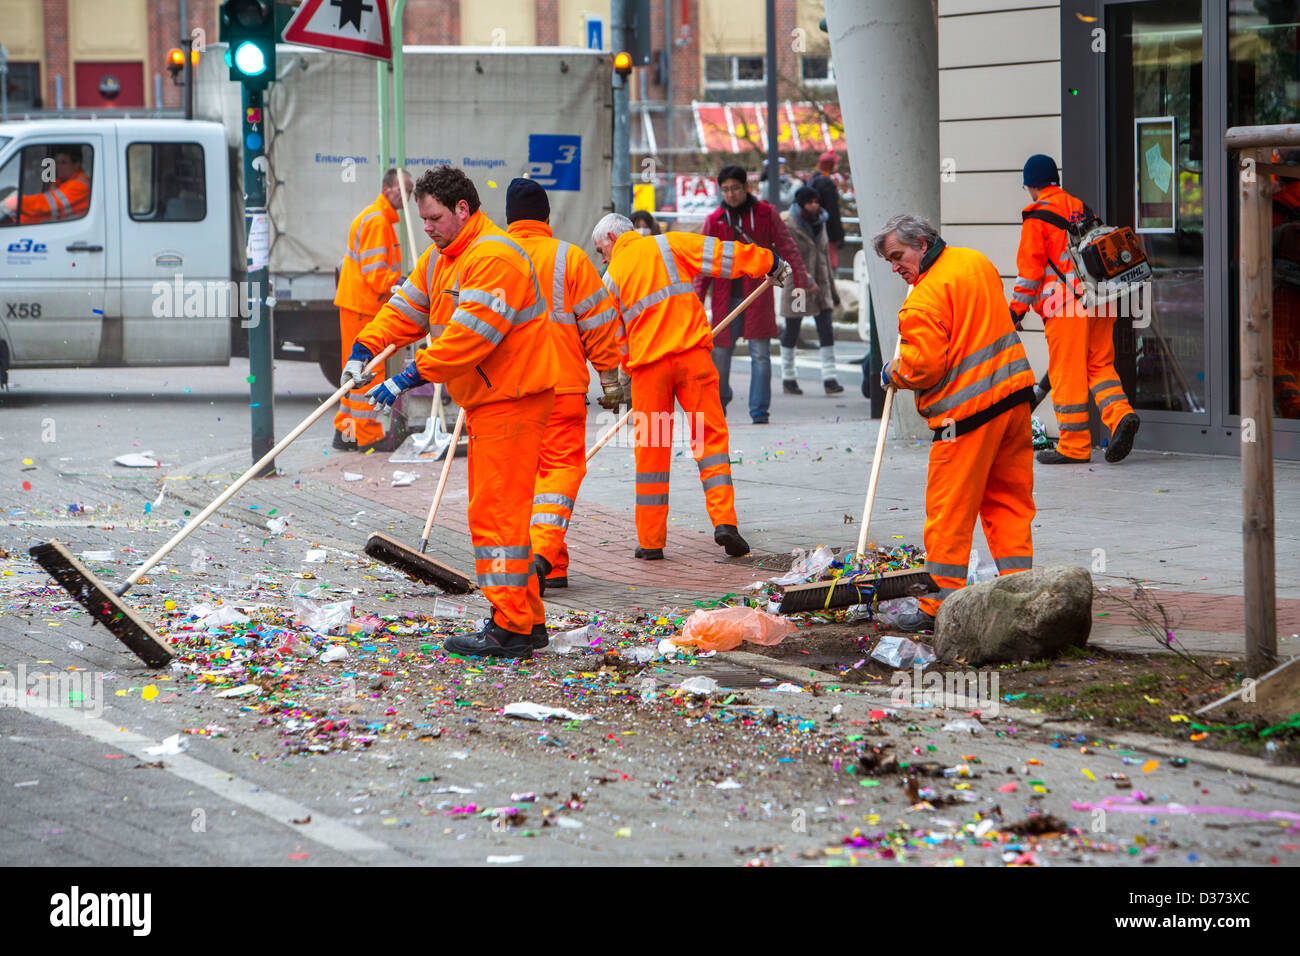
(526, 200)
(1041, 171)
(804, 195)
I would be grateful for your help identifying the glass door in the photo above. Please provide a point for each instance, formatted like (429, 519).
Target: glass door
(1154, 170)
(1264, 89)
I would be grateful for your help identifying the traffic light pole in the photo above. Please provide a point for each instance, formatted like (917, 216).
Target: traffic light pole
(261, 342)
(621, 173)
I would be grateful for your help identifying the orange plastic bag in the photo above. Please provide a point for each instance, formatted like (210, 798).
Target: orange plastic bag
(724, 628)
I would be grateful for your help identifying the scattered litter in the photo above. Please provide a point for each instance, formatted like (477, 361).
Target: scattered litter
(403, 478)
(336, 653)
(314, 556)
(444, 608)
(352, 476)
(699, 685)
(26, 783)
(527, 710)
(571, 641)
(727, 784)
(516, 858)
(277, 525)
(806, 566)
(964, 725)
(325, 618)
(98, 555)
(787, 688)
(243, 690)
(207, 616)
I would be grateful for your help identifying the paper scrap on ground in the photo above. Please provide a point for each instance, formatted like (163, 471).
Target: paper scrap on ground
(699, 685)
(243, 690)
(335, 653)
(314, 556)
(352, 476)
(530, 711)
(403, 478)
(96, 555)
(170, 746)
(137, 459)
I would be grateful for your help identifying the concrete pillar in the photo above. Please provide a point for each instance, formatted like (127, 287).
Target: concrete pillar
(886, 55)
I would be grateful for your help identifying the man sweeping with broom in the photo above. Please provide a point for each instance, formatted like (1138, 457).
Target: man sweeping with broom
(961, 355)
(493, 348)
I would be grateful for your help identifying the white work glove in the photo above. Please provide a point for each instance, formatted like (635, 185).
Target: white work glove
(781, 270)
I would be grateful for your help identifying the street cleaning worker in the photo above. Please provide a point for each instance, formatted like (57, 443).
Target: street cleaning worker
(962, 356)
(669, 348)
(67, 198)
(478, 295)
(370, 268)
(1080, 346)
(585, 327)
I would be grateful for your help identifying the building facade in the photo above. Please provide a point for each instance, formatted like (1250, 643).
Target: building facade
(1132, 97)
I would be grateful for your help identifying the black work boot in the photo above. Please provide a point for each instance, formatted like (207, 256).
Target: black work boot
(790, 387)
(539, 637)
(541, 568)
(342, 443)
(492, 641)
(913, 622)
(1050, 456)
(649, 554)
(557, 581)
(727, 536)
(1121, 440)
(832, 386)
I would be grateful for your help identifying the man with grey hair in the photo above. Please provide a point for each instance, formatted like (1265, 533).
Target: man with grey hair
(669, 346)
(960, 354)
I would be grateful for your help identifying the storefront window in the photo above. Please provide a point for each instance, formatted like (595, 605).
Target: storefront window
(1154, 170)
(1264, 89)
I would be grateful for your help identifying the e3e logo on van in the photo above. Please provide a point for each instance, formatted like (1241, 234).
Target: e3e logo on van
(26, 245)
(23, 310)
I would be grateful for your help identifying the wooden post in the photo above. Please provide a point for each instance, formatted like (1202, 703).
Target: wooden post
(1256, 347)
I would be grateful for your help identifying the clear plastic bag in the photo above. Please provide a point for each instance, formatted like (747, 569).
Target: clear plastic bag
(724, 628)
(901, 653)
(806, 566)
(325, 618)
(888, 613)
(976, 572)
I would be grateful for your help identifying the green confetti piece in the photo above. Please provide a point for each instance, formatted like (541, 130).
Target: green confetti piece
(251, 379)
(868, 783)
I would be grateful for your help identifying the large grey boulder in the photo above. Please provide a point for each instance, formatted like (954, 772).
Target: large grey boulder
(1026, 616)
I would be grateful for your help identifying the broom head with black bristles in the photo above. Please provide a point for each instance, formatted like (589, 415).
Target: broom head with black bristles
(104, 606)
(419, 566)
(856, 589)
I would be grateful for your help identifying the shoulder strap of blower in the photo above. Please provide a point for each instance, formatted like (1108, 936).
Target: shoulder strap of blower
(1060, 222)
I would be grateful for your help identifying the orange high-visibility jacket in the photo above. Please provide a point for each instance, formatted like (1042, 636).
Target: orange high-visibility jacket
(69, 199)
(373, 263)
(960, 353)
(651, 279)
(585, 324)
(1037, 284)
(480, 300)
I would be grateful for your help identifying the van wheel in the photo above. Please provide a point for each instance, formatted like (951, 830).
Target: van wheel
(330, 369)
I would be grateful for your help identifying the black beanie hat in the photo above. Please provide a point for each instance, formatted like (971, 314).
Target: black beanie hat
(804, 195)
(526, 200)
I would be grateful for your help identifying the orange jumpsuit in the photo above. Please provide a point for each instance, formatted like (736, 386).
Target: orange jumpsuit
(962, 356)
(370, 267)
(669, 347)
(585, 326)
(69, 199)
(494, 349)
(1080, 347)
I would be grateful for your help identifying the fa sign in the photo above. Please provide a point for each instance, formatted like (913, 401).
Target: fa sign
(697, 195)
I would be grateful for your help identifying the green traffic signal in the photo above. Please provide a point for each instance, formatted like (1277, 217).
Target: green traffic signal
(249, 29)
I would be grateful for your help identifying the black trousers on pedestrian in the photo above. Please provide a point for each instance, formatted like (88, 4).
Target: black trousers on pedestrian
(825, 334)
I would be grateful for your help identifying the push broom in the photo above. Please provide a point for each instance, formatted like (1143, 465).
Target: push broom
(861, 588)
(105, 605)
(749, 300)
(417, 564)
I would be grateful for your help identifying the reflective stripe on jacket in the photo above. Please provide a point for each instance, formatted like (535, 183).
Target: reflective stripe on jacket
(584, 323)
(69, 199)
(960, 352)
(481, 301)
(1038, 286)
(372, 263)
(650, 278)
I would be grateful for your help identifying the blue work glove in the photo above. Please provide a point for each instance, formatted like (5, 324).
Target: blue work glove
(1016, 319)
(355, 369)
(887, 375)
(386, 392)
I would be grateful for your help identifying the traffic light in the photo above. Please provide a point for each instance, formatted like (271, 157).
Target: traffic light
(248, 29)
(623, 64)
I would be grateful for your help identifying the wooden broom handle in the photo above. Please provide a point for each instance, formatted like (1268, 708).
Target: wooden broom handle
(766, 284)
(281, 445)
(442, 479)
(879, 457)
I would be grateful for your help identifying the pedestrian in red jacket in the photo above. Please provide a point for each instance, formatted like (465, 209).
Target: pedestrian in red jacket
(744, 218)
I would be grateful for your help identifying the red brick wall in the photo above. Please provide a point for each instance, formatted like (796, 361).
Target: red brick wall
(433, 22)
(56, 51)
(547, 18)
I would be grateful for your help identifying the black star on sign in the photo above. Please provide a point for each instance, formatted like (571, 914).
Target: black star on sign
(350, 11)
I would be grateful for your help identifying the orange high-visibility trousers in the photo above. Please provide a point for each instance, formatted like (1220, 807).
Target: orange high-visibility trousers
(690, 378)
(1081, 363)
(990, 473)
(560, 471)
(356, 419)
(505, 442)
